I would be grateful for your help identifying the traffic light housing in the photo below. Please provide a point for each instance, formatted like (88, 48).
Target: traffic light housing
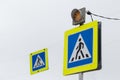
(78, 16)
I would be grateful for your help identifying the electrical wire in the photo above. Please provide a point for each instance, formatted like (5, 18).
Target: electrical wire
(89, 13)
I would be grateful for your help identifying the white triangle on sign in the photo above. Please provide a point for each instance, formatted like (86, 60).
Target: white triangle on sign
(39, 62)
(80, 51)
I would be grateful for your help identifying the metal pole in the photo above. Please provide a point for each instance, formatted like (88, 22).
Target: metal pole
(80, 76)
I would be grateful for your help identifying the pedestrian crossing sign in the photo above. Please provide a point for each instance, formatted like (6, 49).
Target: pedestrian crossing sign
(39, 61)
(81, 48)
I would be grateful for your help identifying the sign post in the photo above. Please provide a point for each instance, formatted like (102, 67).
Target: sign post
(80, 76)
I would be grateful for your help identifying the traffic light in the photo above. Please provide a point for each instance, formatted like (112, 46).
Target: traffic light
(78, 16)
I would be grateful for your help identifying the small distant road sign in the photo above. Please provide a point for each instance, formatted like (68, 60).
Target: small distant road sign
(39, 61)
(82, 48)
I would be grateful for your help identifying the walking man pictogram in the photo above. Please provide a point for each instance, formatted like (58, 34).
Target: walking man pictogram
(38, 62)
(79, 49)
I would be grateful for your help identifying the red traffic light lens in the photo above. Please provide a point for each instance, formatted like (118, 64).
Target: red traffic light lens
(76, 15)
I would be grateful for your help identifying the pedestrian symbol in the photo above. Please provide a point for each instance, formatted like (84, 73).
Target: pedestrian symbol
(39, 62)
(80, 51)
